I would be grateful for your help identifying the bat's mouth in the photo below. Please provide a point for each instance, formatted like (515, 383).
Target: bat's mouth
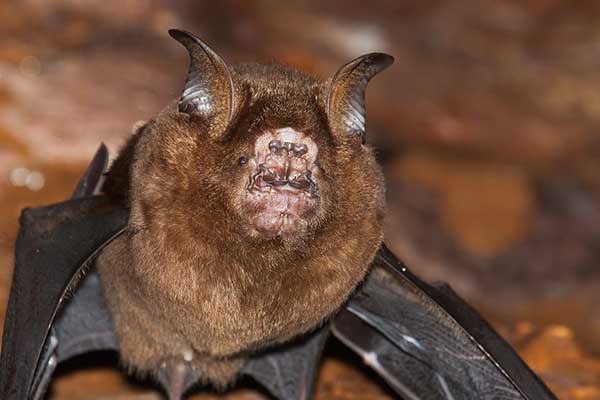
(281, 189)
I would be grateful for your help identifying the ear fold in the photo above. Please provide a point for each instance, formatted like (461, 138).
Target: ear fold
(208, 89)
(345, 99)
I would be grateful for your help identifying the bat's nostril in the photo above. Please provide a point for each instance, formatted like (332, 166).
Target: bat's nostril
(279, 182)
(299, 184)
(273, 179)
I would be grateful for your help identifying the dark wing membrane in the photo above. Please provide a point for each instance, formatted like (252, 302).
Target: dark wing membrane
(54, 245)
(429, 344)
(84, 323)
(289, 371)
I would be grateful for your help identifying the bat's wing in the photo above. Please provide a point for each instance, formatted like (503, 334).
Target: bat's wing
(43, 325)
(91, 180)
(289, 372)
(427, 343)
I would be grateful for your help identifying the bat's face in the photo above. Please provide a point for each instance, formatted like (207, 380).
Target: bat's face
(280, 192)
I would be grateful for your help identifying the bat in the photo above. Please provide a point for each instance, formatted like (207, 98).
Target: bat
(235, 232)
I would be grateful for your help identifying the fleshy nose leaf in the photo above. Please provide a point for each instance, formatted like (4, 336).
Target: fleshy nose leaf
(345, 99)
(208, 90)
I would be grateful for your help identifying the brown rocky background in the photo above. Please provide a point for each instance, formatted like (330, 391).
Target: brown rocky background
(488, 126)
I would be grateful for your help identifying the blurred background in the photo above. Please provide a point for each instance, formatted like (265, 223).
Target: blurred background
(488, 127)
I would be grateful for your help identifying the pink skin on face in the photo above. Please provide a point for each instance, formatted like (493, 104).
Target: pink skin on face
(281, 188)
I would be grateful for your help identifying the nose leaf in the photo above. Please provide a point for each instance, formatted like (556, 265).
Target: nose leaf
(285, 164)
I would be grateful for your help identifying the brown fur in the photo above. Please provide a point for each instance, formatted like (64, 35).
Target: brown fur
(188, 276)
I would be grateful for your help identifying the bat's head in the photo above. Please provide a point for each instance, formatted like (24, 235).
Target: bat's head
(267, 150)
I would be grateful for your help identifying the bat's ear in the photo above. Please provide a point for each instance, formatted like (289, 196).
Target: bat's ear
(208, 90)
(345, 96)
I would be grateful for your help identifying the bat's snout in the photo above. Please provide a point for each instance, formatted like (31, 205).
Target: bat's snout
(285, 167)
(281, 188)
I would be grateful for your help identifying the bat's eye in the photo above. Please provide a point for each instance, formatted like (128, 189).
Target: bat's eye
(242, 160)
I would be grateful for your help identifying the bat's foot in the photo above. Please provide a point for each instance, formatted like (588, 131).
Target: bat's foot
(177, 379)
(176, 376)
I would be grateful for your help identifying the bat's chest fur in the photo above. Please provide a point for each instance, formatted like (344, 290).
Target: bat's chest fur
(166, 305)
(223, 310)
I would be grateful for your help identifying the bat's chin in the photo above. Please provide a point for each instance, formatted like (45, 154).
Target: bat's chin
(279, 212)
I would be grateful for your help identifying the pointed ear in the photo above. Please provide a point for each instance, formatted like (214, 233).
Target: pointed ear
(208, 90)
(345, 98)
